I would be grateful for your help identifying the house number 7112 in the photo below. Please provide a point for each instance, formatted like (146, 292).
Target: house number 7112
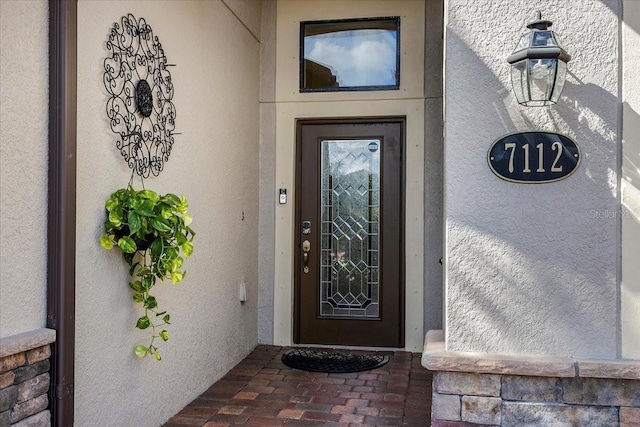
(556, 146)
(533, 157)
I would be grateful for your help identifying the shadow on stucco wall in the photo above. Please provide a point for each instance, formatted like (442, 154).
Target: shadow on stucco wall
(530, 268)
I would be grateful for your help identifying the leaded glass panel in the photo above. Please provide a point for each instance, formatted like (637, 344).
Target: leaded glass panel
(350, 215)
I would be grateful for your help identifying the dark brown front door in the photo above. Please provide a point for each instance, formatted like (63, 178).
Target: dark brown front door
(349, 233)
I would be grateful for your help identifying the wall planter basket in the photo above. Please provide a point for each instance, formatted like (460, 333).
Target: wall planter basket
(153, 233)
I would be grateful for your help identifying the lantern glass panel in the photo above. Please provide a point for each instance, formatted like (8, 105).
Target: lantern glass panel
(519, 81)
(523, 43)
(543, 38)
(542, 73)
(559, 82)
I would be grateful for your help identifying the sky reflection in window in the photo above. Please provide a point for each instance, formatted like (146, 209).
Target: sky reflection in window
(350, 55)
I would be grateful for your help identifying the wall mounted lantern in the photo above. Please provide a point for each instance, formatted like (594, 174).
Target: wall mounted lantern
(538, 66)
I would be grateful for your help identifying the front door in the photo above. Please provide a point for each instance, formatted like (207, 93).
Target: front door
(349, 233)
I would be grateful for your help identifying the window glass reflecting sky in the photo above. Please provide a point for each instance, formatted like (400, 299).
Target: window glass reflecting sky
(365, 57)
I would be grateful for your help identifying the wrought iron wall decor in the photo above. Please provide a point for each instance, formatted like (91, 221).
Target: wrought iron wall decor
(139, 108)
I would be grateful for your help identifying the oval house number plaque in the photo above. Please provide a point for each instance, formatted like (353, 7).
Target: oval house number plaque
(534, 157)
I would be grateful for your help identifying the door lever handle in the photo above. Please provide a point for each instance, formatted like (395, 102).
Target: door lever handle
(306, 247)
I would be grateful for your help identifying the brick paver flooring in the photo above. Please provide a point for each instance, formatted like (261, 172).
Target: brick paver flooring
(262, 391)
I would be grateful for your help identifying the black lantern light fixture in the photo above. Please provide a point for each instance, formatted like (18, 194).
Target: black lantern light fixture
(538, 66)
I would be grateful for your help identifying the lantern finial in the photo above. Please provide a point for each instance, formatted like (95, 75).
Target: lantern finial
(540, 24)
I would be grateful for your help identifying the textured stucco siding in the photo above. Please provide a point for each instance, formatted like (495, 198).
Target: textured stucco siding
(408, 101)
(630, 182)
(531, 268)
(266, 251)
(24, 75)
(433, 164)
(214, 164)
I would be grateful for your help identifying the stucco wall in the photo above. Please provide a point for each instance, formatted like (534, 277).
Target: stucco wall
(24, 75)
(214, 164)
(267, 171)
(408, 101)
(433, 163)
(432, 158)
(630, 182)
(531, 268)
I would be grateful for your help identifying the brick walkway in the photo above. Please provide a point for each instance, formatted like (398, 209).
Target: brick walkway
(262, 391)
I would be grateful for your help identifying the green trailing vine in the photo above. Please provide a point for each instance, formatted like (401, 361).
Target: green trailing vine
(153, 233)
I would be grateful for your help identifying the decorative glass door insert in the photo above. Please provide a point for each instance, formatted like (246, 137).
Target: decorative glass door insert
(350, 216)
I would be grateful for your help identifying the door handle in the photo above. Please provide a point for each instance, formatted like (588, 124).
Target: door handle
(306, 247)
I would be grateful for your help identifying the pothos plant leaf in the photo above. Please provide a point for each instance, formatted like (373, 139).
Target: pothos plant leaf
(154, 234)
(127, 245)
(141, 350)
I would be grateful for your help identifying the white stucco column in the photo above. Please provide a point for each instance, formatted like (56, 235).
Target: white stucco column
(531, 268)
(630, 181)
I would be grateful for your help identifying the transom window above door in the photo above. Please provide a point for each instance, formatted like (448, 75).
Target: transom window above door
(350, 55)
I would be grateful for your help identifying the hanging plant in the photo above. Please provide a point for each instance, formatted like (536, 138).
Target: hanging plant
(153, 233)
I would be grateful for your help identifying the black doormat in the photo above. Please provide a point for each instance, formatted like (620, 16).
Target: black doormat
(319, 361)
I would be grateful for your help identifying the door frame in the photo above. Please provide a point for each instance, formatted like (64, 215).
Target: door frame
(283, 246)
(298, 219)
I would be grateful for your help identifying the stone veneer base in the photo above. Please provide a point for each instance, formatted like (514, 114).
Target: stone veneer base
(482, 389)
(24, 378)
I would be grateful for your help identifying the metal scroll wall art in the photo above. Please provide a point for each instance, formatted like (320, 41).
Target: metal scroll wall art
(139, 108)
